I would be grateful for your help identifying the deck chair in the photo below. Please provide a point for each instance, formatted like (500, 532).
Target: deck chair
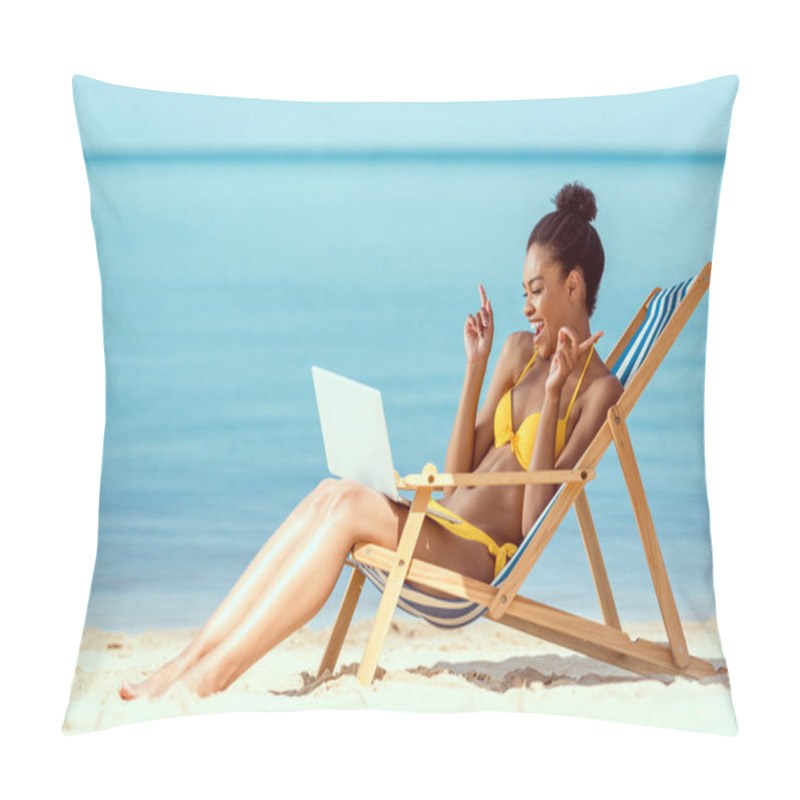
(634, 360)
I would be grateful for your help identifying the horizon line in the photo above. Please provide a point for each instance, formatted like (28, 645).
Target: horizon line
(400, 154)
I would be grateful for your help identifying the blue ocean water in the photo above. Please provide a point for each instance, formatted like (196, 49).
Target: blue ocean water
(224, 279)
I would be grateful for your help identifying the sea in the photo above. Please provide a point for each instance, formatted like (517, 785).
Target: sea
(226, 277)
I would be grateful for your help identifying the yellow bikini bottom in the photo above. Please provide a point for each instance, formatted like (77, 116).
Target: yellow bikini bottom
(460, 527)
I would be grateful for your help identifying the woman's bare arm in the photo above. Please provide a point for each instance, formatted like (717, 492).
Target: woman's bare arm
(516, 351)
(462, 439)
(478, 336)
(472, 431)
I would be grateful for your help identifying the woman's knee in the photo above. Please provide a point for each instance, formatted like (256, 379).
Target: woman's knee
(345, 499)
(338, 497)
(323, 493)
(326, 486)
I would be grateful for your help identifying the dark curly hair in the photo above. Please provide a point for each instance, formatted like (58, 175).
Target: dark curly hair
(572, 240)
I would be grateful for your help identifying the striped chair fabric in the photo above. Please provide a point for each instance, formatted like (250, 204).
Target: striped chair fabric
(455, 613)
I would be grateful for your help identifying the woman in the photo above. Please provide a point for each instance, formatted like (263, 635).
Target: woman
(547, 398)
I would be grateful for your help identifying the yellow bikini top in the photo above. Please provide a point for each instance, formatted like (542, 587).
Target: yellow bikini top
(522, 441)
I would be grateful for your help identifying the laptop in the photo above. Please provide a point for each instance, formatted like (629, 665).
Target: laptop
(354, 433)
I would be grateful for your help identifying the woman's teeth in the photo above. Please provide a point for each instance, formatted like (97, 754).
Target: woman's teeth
(537, 328)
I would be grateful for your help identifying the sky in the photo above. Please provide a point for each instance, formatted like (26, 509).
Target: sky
(659, 121)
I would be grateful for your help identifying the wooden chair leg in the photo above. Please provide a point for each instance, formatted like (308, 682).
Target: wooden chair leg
(342, 623)
(394, 583)
(596, 562)
(655, 560)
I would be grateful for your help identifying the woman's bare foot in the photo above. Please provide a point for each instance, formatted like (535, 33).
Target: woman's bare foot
(129, 691)
(145, 689)
(209, 675)
(157, 683)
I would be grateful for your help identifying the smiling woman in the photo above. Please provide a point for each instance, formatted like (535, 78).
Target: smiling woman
(293, 575)
(561, 395)
(240, 241)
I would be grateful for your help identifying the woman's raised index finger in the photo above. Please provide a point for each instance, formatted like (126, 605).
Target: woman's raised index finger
(483, 294)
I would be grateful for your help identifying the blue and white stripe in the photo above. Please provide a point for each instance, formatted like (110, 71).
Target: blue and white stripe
(659, 312)
(453, 613)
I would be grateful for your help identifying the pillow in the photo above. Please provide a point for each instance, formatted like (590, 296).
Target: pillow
(240, 242)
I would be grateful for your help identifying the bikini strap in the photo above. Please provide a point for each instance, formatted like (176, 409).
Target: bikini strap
(580, 381)
(528, 366)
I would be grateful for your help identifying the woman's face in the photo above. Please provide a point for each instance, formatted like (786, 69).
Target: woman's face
(546, 298)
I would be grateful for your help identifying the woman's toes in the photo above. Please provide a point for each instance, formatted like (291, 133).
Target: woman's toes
(127, 691)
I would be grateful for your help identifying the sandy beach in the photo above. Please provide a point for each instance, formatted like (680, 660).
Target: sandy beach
(484, 667)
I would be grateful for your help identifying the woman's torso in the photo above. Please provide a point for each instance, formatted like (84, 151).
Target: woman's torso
(497, 510)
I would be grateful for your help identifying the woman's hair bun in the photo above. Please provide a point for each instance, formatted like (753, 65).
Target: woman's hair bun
(577, 199)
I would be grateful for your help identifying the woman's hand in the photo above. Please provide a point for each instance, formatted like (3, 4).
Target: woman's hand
(568, 351)
(479, 331)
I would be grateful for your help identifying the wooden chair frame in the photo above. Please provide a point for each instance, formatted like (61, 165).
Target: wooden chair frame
(604, 641)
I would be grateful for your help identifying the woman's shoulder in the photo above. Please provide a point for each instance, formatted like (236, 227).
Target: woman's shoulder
(518, 350)
(604, 387)
(519, 346)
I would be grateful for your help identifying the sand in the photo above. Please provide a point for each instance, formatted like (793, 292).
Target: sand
(484, 667)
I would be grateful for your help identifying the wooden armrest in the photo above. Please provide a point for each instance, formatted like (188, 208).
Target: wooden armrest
(438, 480)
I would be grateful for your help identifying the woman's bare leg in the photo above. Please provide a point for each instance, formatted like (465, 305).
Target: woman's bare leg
(247, 590)
(301, 585)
